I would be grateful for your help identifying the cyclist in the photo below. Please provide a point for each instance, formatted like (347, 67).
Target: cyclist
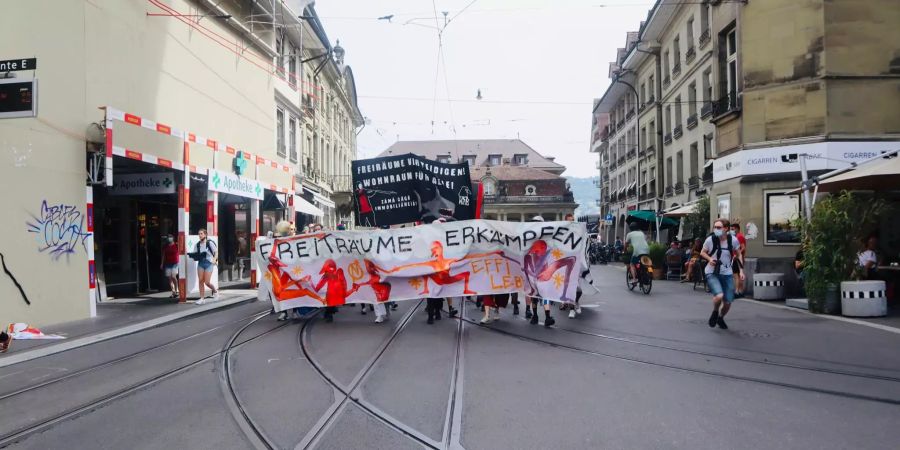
(639, 248)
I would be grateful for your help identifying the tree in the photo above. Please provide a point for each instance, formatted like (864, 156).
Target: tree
(696, 224)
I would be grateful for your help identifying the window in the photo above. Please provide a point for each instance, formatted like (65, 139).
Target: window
(695, 161)
(494, 160)
(669, 171)
(679, 167)
(692, 99)
(707, 85)
(676, 52)
(643, 97)
(652, 135)
(279, 131)
(292, 66)
(729, 67)
(292, 138)
(668, 123)
(704, 17)
(652, 86)
(279, 48)
(469, 159)
(643, 138)
(678, 111)
(666, 63)
(707, 146)
(530, 190)
(444, 159)
(690, 32)
(490, 188)
(723, 206)
(781, 211)
(520, 159)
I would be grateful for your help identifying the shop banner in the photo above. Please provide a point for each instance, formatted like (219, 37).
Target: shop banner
(144, 183)
(232, 184)
(474, 257)
(407, 188)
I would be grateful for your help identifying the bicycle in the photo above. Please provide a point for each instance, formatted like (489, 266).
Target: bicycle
(644, 270)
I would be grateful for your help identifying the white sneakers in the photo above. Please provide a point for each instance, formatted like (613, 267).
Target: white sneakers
(379, 319)
(572, 313)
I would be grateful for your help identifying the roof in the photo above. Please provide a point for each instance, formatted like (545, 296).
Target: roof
(512, 173)
(480, 148)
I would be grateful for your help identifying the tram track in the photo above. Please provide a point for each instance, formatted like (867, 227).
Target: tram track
(72, 413)
(717, 374)
(346, 393)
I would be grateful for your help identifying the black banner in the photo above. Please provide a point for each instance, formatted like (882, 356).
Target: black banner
(408, 188)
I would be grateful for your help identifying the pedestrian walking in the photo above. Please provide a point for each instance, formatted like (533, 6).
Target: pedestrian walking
(738, 265)
(207, 254)
(170, 264)
(433, 308)
(719, 250)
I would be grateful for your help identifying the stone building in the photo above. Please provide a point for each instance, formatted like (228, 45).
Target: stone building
(519, 183)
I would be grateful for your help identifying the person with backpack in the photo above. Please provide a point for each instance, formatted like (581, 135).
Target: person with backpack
(720, 250)
(207, 257)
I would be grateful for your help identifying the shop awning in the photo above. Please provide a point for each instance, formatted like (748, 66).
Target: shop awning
(643, 215)
(305, 207)
(709, 162)
(323, 200)
(682, 210)
(874, 176)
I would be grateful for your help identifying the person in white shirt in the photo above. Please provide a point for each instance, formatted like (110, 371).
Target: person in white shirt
(868, 258)
(720, 250)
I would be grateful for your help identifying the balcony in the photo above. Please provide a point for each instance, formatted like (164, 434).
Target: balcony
(630, 114)
(679, 187)
(651, 99)
(670, 191)
(693, 182)
(704, 38)
(666, 81)
(620, 124)
(692, 121)
(667, 139)
(612, 165)
(621, 161)
(726, 105)
(641, 107)
(676, 69)
(677, 132)
(529, 199)
(689, 55)
(706, 110)
(631, 154)
(707, 178)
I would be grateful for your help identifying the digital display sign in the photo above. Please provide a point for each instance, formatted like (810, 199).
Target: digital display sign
(18, 98)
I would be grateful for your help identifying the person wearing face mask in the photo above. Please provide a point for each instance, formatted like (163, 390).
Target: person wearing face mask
(738, 267)
(170, 264)
(719, 250)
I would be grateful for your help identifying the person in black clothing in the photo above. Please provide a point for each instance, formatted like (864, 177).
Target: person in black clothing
(799, 263)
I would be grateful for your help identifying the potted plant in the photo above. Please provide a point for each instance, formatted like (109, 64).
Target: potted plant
(658, 256)
(831, 241)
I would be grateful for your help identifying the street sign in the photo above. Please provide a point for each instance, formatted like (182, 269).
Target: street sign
(18, 98)
(11, 65)
(609, 217)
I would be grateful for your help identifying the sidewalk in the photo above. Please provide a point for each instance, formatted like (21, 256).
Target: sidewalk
(119, 317)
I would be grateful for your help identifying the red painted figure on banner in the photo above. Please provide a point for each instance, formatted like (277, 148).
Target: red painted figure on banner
(441, 268)
(282, 281)
(538, 265)
(382, 290)
(364, 205)
(333, 276)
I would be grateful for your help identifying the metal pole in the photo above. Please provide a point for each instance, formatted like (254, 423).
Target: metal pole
(807, 206)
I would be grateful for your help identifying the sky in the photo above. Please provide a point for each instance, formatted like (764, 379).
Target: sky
(538, 63)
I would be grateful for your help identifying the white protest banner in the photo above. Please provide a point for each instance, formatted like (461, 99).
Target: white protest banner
(472, 257)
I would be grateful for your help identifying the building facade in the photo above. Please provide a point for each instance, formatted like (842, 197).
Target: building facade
(745, 92)
(519, 183)
(173, 108)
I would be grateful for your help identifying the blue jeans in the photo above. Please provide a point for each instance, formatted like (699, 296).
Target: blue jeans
(721, 284)
(205, 265)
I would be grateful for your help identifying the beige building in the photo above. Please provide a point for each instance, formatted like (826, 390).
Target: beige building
(171, 107)
(656, 148)
(807, 80)
(519, 183)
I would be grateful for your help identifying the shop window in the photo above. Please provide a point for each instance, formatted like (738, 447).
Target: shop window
(723, 208)
(782, 211)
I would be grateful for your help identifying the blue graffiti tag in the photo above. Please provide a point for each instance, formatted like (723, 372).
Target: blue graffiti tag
(59, 229)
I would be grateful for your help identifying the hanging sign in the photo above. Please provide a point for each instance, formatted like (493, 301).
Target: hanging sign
(143, 183)
(232, 184)
(11, 65)
(408, 188)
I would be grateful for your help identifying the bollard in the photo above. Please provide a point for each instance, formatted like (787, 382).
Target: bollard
(768, 286)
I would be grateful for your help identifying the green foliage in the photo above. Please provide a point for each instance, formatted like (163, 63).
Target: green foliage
(658, 253)
(696, 224)
(832, 239)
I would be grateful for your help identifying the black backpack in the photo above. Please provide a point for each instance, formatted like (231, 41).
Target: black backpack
(717, 249)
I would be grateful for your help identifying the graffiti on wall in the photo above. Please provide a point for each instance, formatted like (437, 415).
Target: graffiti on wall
(59, 229)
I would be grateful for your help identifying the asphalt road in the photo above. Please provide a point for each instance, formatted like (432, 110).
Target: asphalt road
(631, 372)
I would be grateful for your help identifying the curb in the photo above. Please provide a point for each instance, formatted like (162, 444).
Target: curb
(876, 326)
(83, 341)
